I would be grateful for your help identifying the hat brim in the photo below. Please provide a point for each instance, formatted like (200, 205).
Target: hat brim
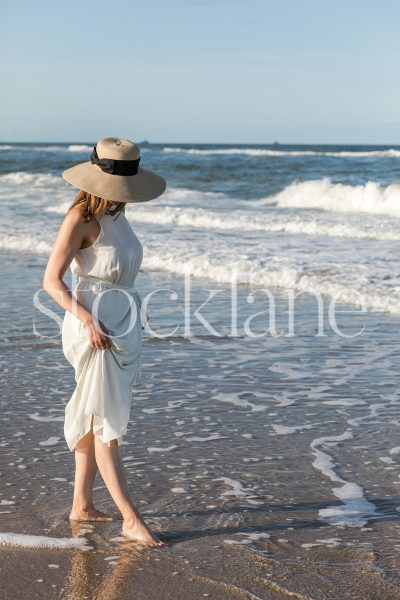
(89, 177)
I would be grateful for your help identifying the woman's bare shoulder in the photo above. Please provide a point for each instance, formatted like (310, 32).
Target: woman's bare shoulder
(72, 227)
(74, 217)
(75, 223)
(75, 227)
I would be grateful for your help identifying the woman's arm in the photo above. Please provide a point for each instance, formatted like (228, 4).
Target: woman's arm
(68, 242)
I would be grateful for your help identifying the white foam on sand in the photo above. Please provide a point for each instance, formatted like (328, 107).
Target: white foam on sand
(158, 449)
(355, 508)
(196, 438)
(51, 441)
(45, 419)
(330, 542)
(284, 430)
(250, 537)
(23, 540)
(344, 402)
(387, 459)
(234, 398)
(238, 490)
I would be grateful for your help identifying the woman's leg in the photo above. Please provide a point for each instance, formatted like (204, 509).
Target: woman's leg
(113, 473)
(85, 473)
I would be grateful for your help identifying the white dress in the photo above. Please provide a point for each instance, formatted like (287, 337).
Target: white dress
(107, 271)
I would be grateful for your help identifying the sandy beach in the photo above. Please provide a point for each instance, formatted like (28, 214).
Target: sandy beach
(269, 464)
(253, 149)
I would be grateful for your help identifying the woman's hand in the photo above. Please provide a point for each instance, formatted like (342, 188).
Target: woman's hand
(98, 339)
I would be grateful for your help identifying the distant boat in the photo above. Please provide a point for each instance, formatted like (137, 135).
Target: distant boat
(276, 144)
(144, 143)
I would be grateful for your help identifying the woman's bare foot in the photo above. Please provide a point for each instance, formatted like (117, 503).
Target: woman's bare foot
(135, 529)
(89, 514)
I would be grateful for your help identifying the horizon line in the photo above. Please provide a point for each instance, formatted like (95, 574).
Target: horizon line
(274, 143)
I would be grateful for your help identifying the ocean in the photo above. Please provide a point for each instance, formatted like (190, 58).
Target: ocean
(321, 219)
(266, 453)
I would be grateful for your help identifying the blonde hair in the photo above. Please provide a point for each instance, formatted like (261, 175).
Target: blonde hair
(92, 206)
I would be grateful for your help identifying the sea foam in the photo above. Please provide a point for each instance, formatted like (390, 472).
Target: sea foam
(256, 152)
(40, 541)
(323, 194)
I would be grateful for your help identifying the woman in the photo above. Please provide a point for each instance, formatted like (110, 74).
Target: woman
(102, 326)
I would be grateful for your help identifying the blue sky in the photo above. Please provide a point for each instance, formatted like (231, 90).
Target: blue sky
(228, 71)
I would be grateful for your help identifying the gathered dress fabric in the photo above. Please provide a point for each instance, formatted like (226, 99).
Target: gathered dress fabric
(104, 378)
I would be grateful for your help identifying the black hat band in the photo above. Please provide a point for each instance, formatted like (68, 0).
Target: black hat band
(115, 167)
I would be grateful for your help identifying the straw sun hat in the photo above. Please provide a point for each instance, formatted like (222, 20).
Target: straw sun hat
(113, 173)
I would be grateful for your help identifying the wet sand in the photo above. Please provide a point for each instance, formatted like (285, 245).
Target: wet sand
(270, 465)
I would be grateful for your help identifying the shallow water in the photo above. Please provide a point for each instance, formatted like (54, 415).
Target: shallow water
(269, 464)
